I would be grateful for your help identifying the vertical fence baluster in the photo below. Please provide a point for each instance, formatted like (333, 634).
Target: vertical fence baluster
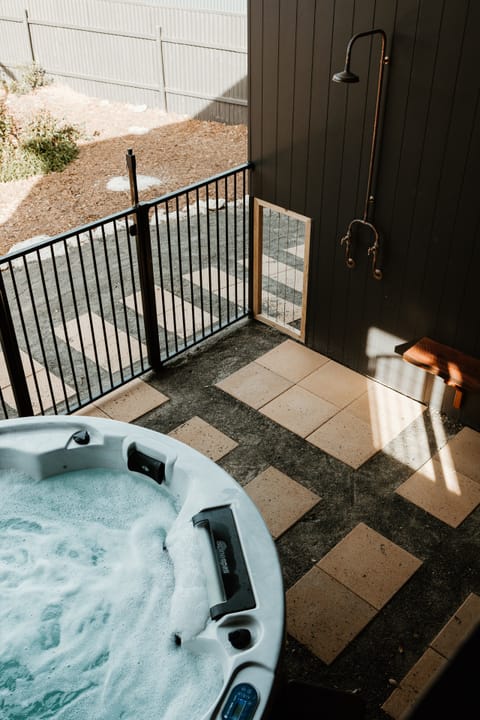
(200, 262)
(190, 268)
(227, 251)
(12, 357)
(147, 286)
(76, 319)
(180, 272)
(235, 239)
(64, 324)
(162, 283)
(219, 260)
(145, 267)
(209, 257)
(122, 295)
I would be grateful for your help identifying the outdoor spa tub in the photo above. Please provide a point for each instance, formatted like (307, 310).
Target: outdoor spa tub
(137, 579)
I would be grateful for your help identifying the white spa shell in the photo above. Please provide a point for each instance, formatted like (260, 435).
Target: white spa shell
(44, 446)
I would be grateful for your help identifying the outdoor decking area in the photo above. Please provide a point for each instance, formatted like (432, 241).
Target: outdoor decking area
(372, 500)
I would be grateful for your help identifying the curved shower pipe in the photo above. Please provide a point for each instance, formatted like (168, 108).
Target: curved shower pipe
(346, 76)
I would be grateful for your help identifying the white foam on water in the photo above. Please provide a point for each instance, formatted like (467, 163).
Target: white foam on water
(190, 607)
(86, 611)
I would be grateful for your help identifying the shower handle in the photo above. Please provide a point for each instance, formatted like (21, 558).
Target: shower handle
(347, 241)
(373, 249)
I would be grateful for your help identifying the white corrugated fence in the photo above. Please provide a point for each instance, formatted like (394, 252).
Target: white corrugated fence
(185, 60)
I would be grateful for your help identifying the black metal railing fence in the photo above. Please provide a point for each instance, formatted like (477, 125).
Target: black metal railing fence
(87, 311)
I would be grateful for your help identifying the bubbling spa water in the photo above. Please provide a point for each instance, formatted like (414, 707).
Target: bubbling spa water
(96, 579)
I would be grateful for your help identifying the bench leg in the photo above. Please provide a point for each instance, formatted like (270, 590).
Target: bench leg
(457, 400)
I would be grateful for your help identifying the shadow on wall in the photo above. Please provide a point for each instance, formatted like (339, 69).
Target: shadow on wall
(231, 108)
(4, 70)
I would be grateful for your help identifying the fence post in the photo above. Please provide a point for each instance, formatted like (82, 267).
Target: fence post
(11, 354)
(143, 242)
(162, 84)
(29, 36)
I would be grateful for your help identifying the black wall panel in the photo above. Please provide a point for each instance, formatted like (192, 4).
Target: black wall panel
(310, 141)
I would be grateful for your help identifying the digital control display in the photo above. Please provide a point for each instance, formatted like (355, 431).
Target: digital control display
(242, 703)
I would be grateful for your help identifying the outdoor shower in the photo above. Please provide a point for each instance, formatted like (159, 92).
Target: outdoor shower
(346, 76)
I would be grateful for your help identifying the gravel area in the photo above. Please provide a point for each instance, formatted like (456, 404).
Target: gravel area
(173, 149)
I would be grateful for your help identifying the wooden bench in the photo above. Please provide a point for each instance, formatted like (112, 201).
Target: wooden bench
(457, 369)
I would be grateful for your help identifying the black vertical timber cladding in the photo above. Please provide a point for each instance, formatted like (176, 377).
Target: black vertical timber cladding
(323, 267)
(270, 92)
(286, 85)
(255, 85)
(343, 327)
(310, 141)
(301, 102)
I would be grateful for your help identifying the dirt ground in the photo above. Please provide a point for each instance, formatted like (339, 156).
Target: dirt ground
(170, 147)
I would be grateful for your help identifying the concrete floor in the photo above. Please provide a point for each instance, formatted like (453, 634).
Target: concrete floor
(378, 542)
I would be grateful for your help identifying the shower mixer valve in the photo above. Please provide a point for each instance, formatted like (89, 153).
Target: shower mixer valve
(372, 251)
(347, 241)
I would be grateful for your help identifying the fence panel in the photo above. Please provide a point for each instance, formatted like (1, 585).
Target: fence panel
(97, 56)
(194, 60)
(201, 259)
(67, 297)
(77, 301)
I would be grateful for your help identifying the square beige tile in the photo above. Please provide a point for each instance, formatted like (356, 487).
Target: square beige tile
(4, 376)
(40, 393)
(169, 312)
(324, 615)
(131, 401)
(218, 282)
(203, 437)
(424, 670)
(399, 702)
(346, 437)
(254, 385)
(92, 411)
(27, 368)
(336, 384)
(386, 411)
(281, 500)
(463, 453)
(36, 375)
(442, 491)
(416, 680)
(370, 565)
(98, 342)
(292, 360)
(460, 625)
(299, 410)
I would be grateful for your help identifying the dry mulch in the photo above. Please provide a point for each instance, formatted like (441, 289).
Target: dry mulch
(176, 150)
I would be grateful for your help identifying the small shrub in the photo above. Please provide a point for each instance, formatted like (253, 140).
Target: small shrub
(8, 127)
(33, 77)
(43, 146)
(52, 145)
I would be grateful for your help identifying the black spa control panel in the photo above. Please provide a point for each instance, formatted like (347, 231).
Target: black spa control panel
(242, 703)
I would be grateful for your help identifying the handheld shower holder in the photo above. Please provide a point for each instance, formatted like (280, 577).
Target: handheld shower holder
(372, 251)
